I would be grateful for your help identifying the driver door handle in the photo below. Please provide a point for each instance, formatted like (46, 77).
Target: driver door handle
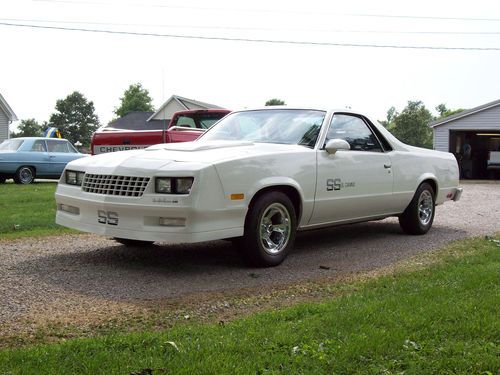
(387, 166)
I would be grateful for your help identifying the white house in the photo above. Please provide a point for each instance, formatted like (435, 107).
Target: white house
(7, 115)
(473, 136)
(177, 103)
(160, 118)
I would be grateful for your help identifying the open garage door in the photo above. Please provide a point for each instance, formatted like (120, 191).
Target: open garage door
(477, 152)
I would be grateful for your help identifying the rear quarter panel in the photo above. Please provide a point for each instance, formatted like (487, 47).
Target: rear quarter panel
(412, 167)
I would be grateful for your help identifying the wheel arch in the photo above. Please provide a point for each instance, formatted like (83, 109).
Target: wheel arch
(431, 180)
(290, 191)
(33, 167)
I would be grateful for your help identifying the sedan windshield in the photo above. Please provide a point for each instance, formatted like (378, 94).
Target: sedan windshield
(287, 126)
(11, 144)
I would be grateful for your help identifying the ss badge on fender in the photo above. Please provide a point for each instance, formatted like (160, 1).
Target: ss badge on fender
(107, 217)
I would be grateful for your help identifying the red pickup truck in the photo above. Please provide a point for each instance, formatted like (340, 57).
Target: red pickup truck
(184, 126)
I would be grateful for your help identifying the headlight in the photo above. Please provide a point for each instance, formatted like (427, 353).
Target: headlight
(173, 185)
(183, 185)
(74, 178)
(163, 185)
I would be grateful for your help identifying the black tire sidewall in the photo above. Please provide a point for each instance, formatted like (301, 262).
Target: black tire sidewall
(409, 220)
(252, 246)
(18, 179)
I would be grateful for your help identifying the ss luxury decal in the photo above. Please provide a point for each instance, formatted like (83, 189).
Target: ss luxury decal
(337, 184)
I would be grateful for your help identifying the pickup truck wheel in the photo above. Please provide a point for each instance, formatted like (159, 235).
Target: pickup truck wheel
(24, 175)
(269, 230)
(419, 215)
(133, 243)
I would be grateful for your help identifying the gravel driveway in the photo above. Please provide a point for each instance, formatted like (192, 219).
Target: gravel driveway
(59, 275)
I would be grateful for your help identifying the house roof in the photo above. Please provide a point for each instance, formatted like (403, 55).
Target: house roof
(136, 121)
(466, 113)
(6, 108)
(186, 103)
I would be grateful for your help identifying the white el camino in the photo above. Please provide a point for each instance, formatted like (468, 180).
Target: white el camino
(257, 177)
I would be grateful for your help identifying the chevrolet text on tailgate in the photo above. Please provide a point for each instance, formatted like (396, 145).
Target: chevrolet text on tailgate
(257, 177)
(184, 126)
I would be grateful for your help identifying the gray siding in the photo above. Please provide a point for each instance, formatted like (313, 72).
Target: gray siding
(441, 138)
(488, 119)
(4, 126)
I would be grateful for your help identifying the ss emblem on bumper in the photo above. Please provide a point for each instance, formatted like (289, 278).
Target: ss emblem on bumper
(107, 217)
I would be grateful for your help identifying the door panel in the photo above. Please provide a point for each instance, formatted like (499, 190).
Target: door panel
(356, 183)
(351, 185)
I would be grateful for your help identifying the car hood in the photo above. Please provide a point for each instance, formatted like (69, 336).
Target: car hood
(192, 155)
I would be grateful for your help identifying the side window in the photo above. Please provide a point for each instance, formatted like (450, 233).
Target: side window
(56, 146)
(354, 131)
(39, 146)
(207, 123)
(185, 122)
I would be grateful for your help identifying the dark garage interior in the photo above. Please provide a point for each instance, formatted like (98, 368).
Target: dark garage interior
(477, 153)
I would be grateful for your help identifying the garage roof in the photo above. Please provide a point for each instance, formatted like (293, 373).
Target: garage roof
(465, 113)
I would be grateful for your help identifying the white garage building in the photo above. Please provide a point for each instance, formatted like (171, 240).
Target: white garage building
(473, 136)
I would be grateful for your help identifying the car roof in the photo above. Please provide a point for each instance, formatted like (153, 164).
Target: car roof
(310, 108)
(37, 138)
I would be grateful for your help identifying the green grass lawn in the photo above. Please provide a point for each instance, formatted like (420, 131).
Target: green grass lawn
(28, 210)
(442, 319)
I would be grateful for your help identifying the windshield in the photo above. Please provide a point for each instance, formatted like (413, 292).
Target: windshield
(11, 144)
(287, 126)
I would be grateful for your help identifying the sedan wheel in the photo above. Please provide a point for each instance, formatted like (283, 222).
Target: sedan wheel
(419, 215)
(269, 229)
(24, 175)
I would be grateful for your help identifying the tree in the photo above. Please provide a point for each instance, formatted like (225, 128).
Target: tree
(135, 98)
(389, 121)
(29, 128)
(275, 101)
(75, 118)
(411, 125)
(445, 112)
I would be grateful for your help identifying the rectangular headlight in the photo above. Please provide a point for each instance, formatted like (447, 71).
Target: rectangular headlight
(163, 185)
(74, 177)
(173, 185)
(183, 185)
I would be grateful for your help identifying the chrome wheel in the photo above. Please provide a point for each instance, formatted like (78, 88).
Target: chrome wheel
(24, 175)
(425, 207)
(275, 228)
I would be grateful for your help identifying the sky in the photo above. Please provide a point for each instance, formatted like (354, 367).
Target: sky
(227, 53)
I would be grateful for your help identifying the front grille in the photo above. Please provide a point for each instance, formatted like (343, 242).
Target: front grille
(114, 185)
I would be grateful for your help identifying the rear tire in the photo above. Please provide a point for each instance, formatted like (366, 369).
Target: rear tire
(419, 215)
(24, 175)
(270, 229)
(132, 243)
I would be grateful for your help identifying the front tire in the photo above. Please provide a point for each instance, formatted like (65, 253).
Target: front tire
(419, 215)
(270, 229)
(132, 243)
(24, 175)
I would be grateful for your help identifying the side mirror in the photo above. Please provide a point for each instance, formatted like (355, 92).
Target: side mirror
(333, 145)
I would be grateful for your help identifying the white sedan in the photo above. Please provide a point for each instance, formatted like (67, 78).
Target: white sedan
(257, 177)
